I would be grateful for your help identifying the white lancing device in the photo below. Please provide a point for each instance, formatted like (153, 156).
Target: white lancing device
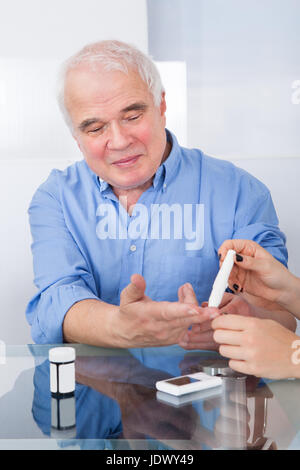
(221, 281)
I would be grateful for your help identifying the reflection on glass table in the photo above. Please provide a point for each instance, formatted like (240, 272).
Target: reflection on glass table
(116, 405)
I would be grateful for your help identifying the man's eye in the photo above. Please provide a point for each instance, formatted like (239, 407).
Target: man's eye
(93, 131)
(134, 118)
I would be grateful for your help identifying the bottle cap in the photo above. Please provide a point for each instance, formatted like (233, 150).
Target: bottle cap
(62, 354)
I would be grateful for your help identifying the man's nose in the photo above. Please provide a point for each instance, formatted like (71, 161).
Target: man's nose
(118, 137)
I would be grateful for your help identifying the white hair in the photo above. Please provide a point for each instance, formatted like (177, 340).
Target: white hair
(111, 55)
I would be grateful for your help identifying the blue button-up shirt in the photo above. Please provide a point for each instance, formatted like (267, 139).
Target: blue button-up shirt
(86, 245)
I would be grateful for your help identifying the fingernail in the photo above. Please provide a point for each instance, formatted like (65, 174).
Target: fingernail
(239, 257)
(214, 315)
(242, 289)
(220, 255)
(230, 291)
(236, 287)
(224, 313)
(185, 339)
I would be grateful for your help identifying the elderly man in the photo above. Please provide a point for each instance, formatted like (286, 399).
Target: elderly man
(125, 241)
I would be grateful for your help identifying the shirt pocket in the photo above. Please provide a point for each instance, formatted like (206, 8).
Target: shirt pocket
(176, 270)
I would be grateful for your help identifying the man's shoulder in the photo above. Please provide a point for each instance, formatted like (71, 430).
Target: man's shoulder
(212, 165)
(227, 171)
(61, 182)
(221, 166)
(76, 172)
(222, 173)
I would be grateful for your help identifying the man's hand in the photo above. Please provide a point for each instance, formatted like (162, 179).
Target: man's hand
(255, 346)
(202, 336)
(142, 322)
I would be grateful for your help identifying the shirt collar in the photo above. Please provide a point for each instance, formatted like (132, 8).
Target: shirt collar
(164, 172)
(102, 184)
(167, 169)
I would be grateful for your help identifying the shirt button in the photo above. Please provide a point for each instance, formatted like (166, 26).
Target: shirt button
(133, 248)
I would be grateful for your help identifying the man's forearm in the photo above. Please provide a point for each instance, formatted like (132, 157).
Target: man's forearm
(136, 323)
(90, 322)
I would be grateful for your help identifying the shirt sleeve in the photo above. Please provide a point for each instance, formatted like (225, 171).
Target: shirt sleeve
(256, 218)
(62, 274)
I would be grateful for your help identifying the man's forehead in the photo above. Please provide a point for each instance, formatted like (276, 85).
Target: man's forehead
(88, 89)
(97, 78)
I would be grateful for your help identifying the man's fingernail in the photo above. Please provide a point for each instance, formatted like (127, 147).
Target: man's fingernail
(236, 287)
(238, 257)
(220, 255)
(214, 315)
(185, 339)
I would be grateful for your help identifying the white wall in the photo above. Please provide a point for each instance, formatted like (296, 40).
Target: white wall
(35, 37)
(242, 61)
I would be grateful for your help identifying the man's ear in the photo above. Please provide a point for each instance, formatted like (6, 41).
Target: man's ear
(163, 104)
(77, 142)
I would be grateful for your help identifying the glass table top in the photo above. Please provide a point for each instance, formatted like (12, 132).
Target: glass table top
(116, 404)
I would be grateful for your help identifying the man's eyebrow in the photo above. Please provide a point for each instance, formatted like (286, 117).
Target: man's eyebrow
(87, 122)
(139, 106)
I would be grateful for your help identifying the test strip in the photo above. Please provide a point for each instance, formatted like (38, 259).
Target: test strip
(221, 281)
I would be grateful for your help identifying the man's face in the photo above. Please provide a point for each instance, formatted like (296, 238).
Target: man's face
(116, 125)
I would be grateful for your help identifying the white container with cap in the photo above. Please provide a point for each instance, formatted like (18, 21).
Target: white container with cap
(62, 371)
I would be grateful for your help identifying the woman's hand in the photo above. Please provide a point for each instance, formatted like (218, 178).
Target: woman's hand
(259, 347)
(258, 273)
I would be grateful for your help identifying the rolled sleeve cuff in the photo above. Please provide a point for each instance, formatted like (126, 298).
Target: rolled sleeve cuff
(268, 236)
(46, 312)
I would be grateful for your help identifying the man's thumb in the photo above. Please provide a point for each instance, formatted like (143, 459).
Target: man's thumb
(134, 291)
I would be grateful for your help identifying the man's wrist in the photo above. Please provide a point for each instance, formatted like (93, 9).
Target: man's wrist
(113, 328)
(118, 337)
